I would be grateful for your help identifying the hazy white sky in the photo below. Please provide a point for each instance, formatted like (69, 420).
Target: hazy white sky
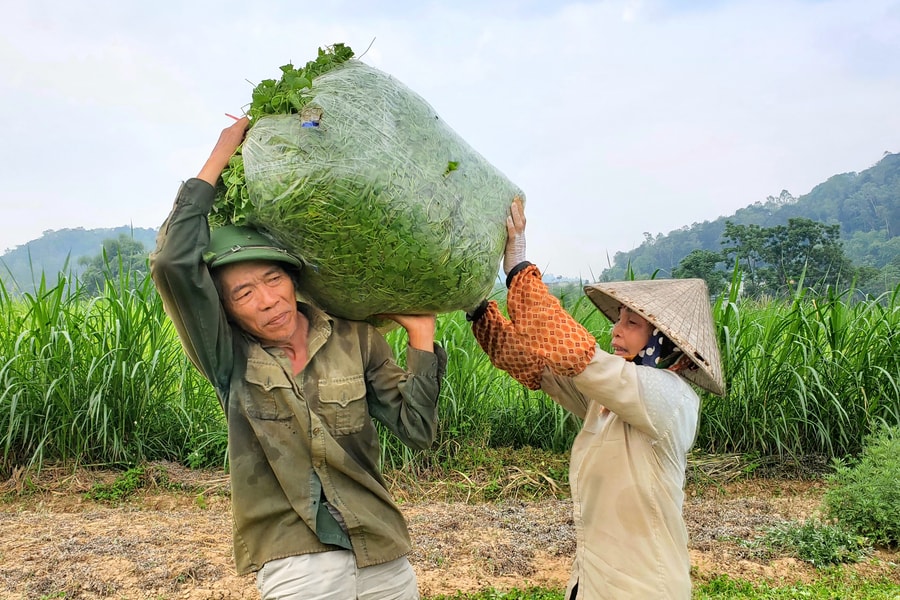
(615, 117)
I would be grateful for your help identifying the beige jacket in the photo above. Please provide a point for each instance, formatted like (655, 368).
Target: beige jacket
(627, 476)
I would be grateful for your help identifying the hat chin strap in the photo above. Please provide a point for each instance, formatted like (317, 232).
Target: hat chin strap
(684, 363)
(677, 362)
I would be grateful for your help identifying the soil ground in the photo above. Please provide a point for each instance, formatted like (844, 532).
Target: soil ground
(174, 540)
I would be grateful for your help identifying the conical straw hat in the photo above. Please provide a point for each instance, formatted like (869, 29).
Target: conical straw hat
(677, 307)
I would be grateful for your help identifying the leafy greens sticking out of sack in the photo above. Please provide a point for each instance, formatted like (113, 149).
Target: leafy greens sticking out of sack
(284, 96)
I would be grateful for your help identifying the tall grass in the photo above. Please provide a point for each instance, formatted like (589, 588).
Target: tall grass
(812, 375)
(99, 380)
(103, 380)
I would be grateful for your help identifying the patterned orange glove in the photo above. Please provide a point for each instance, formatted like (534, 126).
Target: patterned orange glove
(507, 349)
(548, 329)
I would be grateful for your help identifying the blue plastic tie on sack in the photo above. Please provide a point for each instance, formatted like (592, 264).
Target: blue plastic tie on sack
(309, 124)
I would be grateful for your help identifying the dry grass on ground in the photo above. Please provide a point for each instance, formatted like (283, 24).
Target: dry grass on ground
(172, 538)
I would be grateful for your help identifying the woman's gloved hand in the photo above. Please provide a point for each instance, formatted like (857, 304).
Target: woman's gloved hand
(515, 236)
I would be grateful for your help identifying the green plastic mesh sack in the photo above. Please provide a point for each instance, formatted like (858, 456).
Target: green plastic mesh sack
(390, 210)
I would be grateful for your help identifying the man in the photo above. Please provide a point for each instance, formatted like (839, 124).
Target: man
(639, 413)
(312, 515)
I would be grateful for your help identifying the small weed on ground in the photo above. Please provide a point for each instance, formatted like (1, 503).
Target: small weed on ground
(827, 588)
(819, 544)
(124, 486)
(864, 494)
(531, 593)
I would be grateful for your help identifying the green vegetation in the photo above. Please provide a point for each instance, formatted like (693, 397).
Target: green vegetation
(528, 593)
(811, 375)
(121, 256)
(829, 587)
(820, 544)
(124, 486)
(389, 209)
(103, 380)
(774, 259)
(99, 380)
(864, 206)
(864, 494)
(284, 96)
(61, 253)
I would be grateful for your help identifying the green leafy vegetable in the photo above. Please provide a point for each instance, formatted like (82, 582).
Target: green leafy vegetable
(390, 210)
(287, 95)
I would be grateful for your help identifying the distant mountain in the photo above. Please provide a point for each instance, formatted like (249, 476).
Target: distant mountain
(866, 205)
(58, 252)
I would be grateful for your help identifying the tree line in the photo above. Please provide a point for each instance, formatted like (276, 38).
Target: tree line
(845, 230)
(774, 261)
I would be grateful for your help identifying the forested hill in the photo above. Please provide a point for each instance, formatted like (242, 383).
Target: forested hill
(865, 205)
(59, 251)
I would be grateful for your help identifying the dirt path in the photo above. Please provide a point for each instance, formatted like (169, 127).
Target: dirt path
(164, 544)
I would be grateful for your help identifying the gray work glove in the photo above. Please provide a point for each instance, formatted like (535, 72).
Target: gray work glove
(515, 236)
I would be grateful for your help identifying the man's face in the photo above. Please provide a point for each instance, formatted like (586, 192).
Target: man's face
(630, 333)
(259, 297)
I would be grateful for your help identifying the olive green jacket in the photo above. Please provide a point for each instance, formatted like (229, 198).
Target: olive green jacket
(293, 438)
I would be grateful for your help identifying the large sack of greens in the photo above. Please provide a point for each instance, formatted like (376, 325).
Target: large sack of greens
(390, 210)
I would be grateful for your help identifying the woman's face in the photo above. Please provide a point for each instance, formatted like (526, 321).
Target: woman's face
(630, 333)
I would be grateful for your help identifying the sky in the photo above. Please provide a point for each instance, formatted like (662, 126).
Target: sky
(617, 118)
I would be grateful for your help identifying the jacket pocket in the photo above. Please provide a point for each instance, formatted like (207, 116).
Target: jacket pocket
(268, 395)
(342, 404)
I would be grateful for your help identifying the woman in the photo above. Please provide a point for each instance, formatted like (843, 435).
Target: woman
(639, 413)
